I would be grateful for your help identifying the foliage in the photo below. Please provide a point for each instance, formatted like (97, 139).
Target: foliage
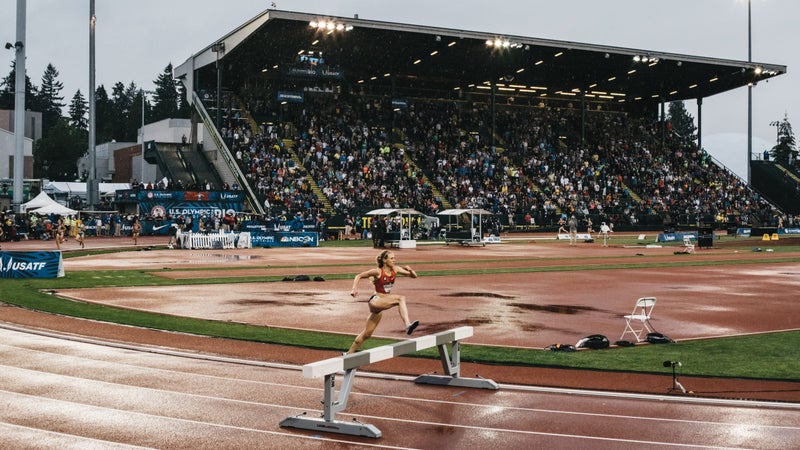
(117, 118)
(166, 97)
(78, 109)
(681, 121)
(56, 154)
(50, 99)
(7, 86)
(785, 151)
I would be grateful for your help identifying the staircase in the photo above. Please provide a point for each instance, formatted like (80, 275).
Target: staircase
(288, 144)
(779, 185)
(435, 191)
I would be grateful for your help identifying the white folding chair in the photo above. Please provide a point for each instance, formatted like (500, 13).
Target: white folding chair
(688, 245)
(638, 321)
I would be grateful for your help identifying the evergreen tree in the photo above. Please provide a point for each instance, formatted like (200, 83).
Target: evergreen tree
(166, 98)
(50, 98)
(133, 121)
(7, 86)
(78, 110)
(120, 111)
(681, 121)
(103, 118)
(55, 155)
(785, 151)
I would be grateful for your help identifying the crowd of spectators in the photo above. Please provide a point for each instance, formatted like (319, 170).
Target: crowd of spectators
(541, 163)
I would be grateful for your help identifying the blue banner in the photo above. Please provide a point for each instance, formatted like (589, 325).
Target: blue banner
(283, 239)
(43, 264)
(675, 237)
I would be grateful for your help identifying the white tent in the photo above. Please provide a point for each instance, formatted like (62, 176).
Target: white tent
(406, 238)
(37, 202)
(79, 188)
(53, 208)
(475, 235)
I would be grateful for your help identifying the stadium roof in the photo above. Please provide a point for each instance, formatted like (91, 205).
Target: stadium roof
(410, 58)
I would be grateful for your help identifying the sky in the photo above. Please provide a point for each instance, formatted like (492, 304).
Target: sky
(135, 40)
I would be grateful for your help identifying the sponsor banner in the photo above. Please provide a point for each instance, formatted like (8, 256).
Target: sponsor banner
(744, 232)
(144, 195)
(283, 239)
(400, 103)
(675, 237)
(163, 209)
(788, 230)
(315, 72)
(293, 97)
(44, 264)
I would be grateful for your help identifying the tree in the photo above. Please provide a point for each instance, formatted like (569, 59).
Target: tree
(122, 103)
(50, 98)
(681, 121)
(785, 151)
(78, 108)
(166, 98)
(103, 116)
(56, 154)
(7, 86)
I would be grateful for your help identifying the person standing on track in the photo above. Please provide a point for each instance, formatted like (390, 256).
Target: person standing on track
(137, 229)
(383, 278)
(572, 224)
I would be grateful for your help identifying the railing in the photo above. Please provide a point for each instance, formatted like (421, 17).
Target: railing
(255, 205)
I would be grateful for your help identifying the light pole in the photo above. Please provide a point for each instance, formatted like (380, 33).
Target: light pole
(92, 194)
(19, 107)
(144, 95)
(749, 95)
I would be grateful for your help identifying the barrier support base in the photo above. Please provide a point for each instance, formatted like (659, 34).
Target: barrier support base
(452, 370)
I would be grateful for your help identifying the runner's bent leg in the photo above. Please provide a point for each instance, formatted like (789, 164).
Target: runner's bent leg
(372, 322)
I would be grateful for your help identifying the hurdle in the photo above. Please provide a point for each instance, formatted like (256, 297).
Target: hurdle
(349, 363)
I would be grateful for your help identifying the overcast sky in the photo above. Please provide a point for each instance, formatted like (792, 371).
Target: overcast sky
(135, 40)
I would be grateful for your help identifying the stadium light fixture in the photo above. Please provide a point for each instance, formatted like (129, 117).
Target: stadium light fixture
(330, 26)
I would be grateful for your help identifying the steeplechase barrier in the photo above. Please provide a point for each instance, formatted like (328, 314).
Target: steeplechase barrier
(348, 364)
(214, 240)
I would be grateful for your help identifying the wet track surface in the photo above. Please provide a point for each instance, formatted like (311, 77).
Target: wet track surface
(59, 393)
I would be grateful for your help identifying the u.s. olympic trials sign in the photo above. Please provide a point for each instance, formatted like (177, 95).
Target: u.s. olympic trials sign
(43, 264)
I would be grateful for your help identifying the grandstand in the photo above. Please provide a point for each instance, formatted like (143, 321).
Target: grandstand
(334, 116)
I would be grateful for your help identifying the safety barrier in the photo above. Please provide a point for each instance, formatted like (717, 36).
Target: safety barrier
(214, 240)
(349, 363)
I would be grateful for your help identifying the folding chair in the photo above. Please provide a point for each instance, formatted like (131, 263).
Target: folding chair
(641, 314)
(688, 245)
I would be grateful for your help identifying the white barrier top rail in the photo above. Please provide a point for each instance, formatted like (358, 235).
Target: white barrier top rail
(341, 363)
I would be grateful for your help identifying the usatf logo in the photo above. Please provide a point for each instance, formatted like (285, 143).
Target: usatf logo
(11, 265)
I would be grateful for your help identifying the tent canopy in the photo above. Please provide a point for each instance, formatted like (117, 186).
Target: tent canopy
(79, 188)
(399, 211)
(54, 208)
(37, 202)
(470, 211)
